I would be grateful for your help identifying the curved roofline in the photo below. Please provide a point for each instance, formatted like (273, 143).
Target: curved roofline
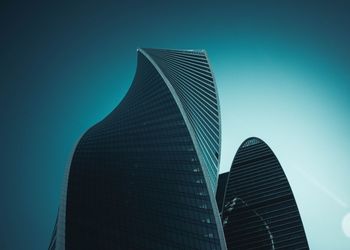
(260, 141)
(250, 138)
(195, 143)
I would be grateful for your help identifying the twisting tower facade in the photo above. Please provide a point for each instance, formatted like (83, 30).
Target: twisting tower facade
(146, 175)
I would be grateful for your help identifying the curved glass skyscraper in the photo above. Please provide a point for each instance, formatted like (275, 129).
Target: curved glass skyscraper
(146, 175)
(259, 210)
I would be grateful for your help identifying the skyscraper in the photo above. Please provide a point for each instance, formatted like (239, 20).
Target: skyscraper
(259, 210)
(145, 176)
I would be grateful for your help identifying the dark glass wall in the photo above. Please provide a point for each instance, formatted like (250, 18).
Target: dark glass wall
(136, 180)
(259, 210)
(220, 191)
(248, 230)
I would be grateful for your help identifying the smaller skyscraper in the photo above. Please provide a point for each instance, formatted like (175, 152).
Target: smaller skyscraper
(258, 208)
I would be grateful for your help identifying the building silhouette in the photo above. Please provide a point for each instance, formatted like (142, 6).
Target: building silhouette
(258, 209)
(145, 176)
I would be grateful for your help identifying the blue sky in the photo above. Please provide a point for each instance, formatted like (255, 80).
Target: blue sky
(282, 71)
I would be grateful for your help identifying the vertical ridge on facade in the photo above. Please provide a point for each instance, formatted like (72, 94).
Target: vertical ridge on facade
(190, 75)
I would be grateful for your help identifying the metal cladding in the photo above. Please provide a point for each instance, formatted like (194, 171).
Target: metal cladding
(145, 176)
(259, 209)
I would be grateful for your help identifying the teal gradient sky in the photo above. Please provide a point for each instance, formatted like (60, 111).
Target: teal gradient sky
(282, 70)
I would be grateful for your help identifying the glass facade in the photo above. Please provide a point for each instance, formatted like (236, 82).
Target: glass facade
(259, 210)
(220, 191)
(143, 178)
